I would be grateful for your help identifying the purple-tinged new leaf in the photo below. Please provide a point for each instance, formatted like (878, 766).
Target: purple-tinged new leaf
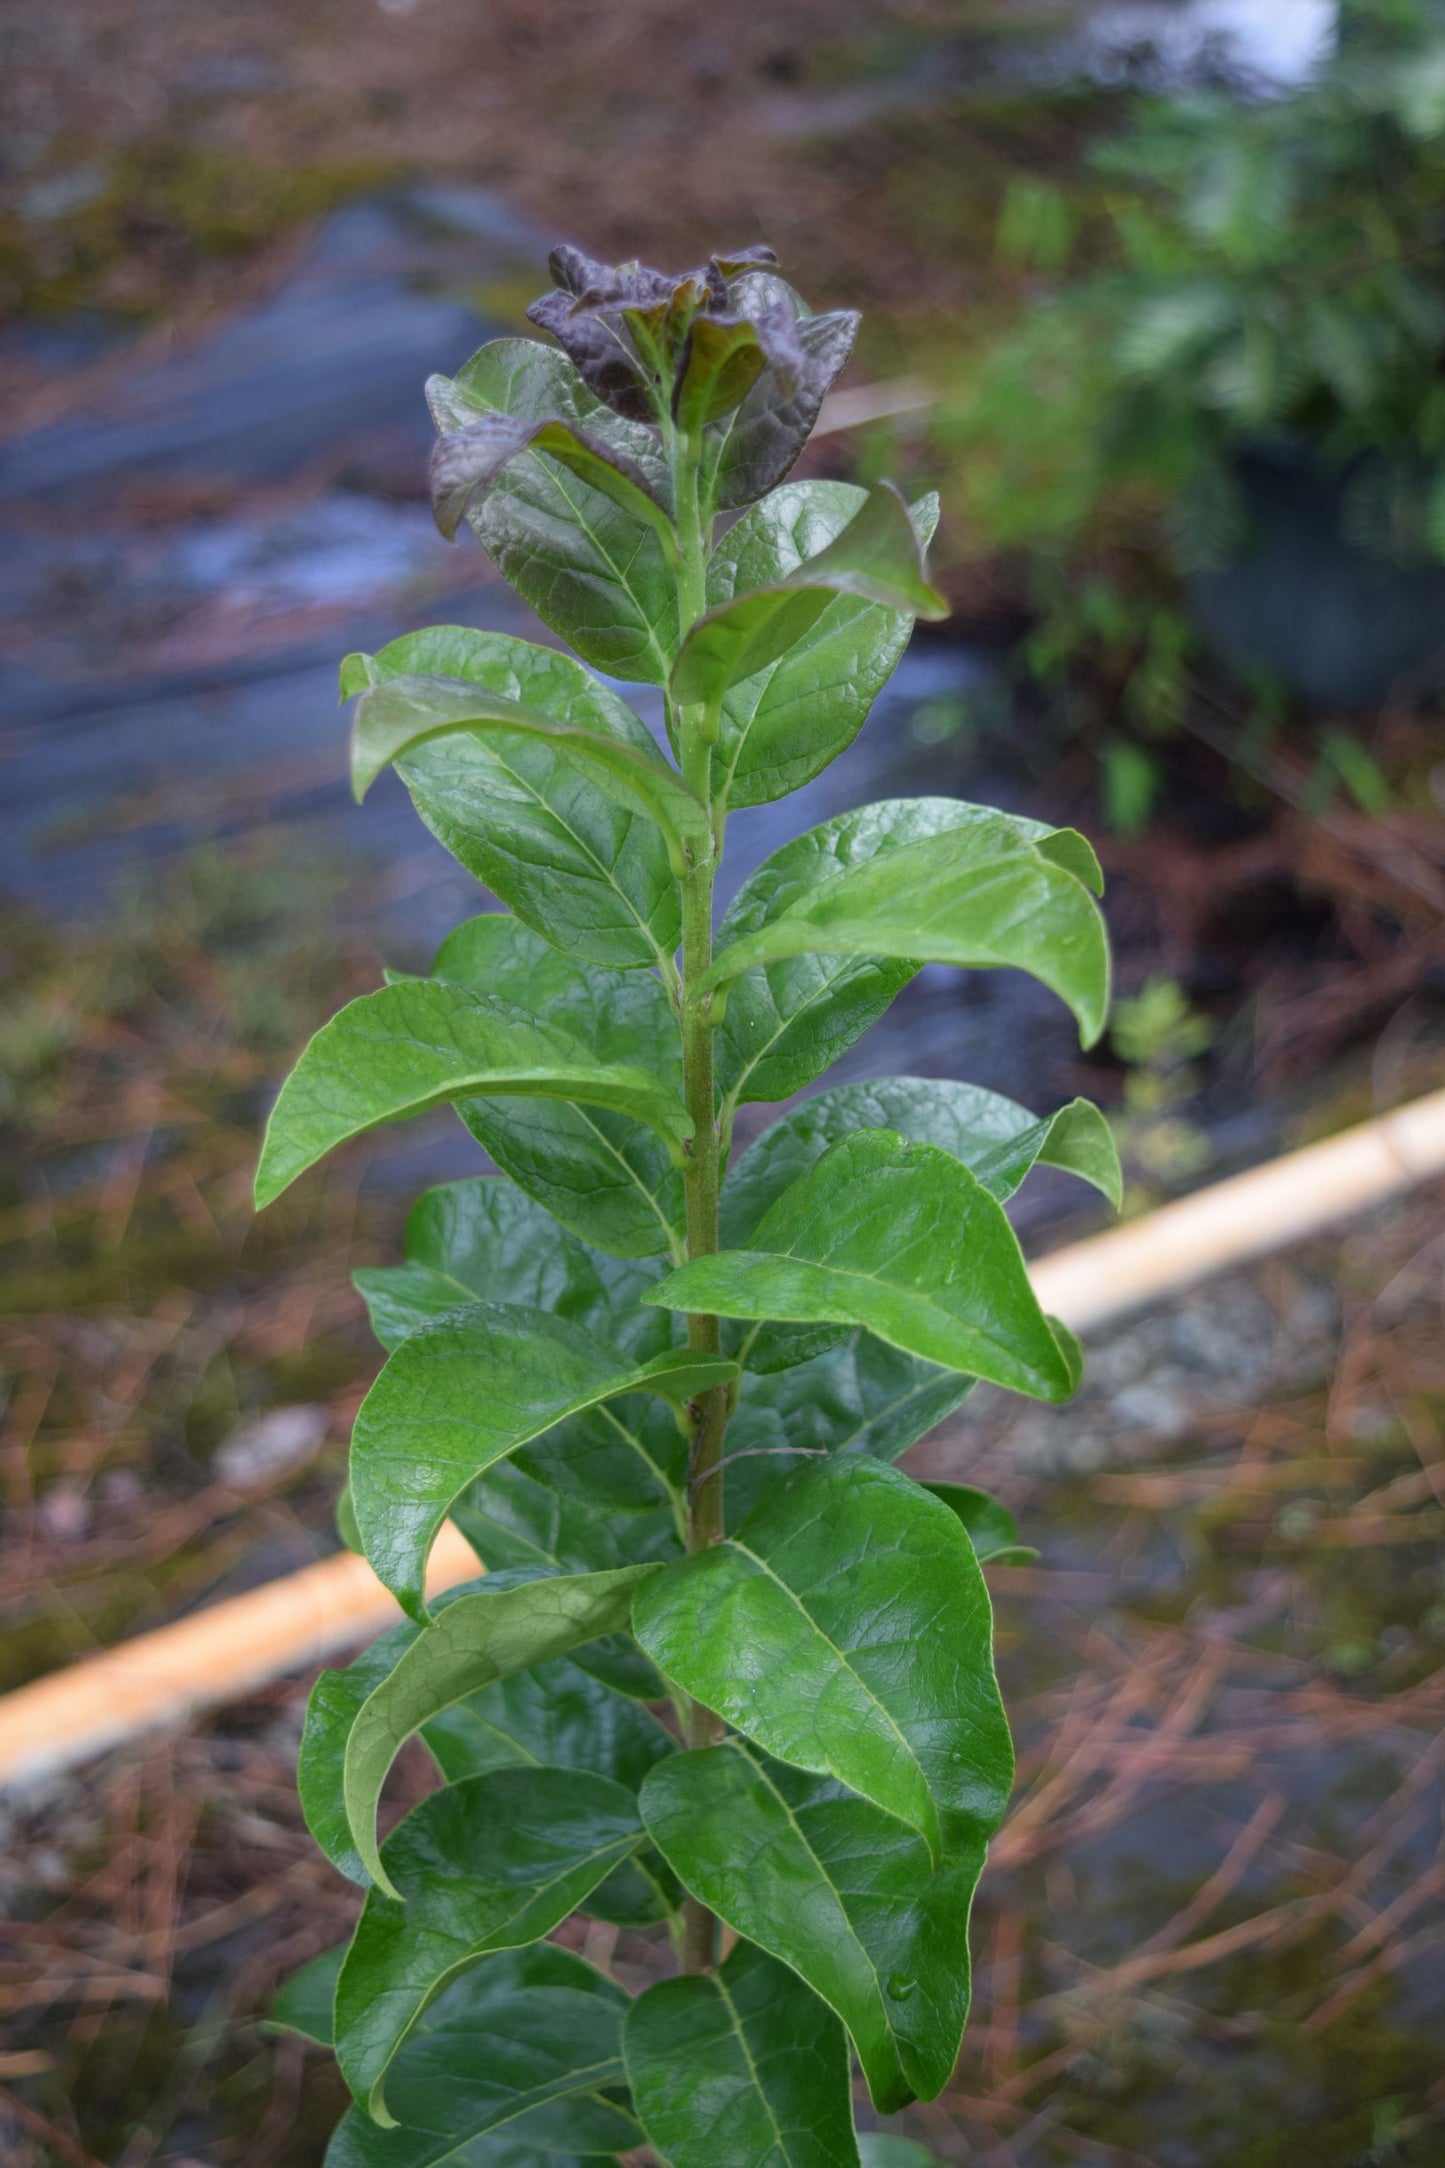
(466, 463)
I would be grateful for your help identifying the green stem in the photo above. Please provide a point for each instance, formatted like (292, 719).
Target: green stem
(703, 1170)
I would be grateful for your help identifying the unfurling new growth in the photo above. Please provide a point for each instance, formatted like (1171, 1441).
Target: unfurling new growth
(728, 1674)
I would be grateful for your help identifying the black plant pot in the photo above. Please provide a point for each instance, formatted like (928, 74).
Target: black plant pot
(1334, 624)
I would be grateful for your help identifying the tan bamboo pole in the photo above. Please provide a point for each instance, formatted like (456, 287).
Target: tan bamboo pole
(1250, 1215)
(215, 1655)
(219, 1654)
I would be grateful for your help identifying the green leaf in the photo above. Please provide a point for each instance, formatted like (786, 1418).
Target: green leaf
(423, 1043)
(584, 871)
(789, 1020)
(472, 1641)
(304, 2004)
(990, 1526)
(554, 1715)
(331, 1710)
(832, 1886)
(492, 1863)
(995, 1138)
(862, 1396)
(981, 894)
(610, 1179)
(528, 2046)
(405, 712)
(516, 1516)
(466, 464)
(557, 1715)
(482, 1240)
(346, 1527)
(597, 574)
(642, 1892)
(576, 1712)
(751, 451)
(463, 1392)
(876, 558)
(741, 2068)
(903, 1240)
(782, 726)
(338, 1696)
(588, 1495)
(845, 1627)
(724, 359)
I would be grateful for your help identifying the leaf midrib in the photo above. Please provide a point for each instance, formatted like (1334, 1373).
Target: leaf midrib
(888, 1287)
(733, 1543)
(585, 2083)
(823, 1875)
(780, 2143)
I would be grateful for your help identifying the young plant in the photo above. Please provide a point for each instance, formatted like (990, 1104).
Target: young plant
(728, 1671)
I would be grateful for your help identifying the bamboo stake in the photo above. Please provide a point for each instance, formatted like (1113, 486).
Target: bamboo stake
(1251, 1215)
(216, 1655)
(219, 1654)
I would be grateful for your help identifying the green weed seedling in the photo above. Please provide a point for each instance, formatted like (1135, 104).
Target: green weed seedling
(662, 1394)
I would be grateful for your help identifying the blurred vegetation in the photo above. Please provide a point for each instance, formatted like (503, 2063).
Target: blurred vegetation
(1224, 274)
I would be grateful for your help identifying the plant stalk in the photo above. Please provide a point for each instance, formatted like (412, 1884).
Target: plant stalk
(703, 1169)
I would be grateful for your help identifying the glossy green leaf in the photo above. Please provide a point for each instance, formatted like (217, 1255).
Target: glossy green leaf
(523, 2052)
(515, 1516)
(990, 1526)
(980, 895)
(331, 1710)
(472, 1641)
(846, 1629)
(346, 1527)
(623, 1460)
(782, 726)
(424, 1043)
(752, 449)
(405, 712)
(552, 1715)
(741, 2068)
(788, 1020)
(842, 1892)
(608, 1178)
(464, 1391)
(467, 463)
(587, 873)
(594, 572)
(305, 2003)
(877, 557)
(492, 1863)
(481, 1240)
(642, 1892)
(861, 1396)
(998, 1140)
(514, 1520)
(903, 1240)
(723, 360)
